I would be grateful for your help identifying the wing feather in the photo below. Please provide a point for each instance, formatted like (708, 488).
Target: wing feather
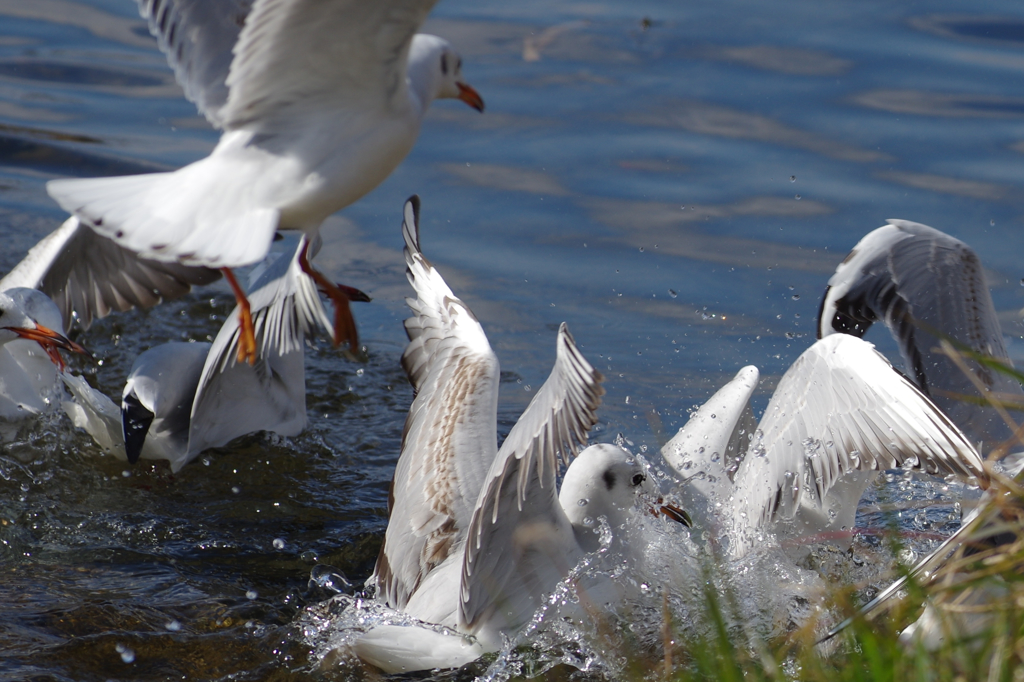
(924, 284)
(89, 276)
(843, 408)
(450, 435)
(519, 534)
(710, 445)
(361, 51)
(197, 37)
(234, 398)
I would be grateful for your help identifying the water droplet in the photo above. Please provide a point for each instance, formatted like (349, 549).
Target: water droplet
(792, 178)
(992, 222)
(641, 249)
(126, 473)
(583, 502)
(672, 293)
(796, 297)
(278, 543)
(127, 655)
(173, 625)
(251, 594)
(359, 372)
(797, 197)
(588, 521)
(235, 489)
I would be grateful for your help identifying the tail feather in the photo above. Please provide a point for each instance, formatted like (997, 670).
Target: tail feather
(161, 217)
(402, 649)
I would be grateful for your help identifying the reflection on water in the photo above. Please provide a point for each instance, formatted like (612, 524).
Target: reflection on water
(676, 181)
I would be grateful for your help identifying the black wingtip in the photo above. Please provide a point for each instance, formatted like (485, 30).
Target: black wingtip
(135, 421)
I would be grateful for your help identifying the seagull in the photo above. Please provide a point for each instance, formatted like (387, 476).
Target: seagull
(839, 415)
(477, 534)
(73, 275)
(31, 338)
(319, 101)
(926, 286)
(181, 399)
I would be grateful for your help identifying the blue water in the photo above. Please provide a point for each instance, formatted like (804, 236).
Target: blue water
(674, 180)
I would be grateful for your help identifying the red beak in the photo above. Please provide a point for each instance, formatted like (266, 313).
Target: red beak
(670, 511)
(51, 342)
(471, 97)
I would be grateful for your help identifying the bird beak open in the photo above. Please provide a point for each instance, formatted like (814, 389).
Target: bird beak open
(670, 511)
(51, 342)
(471, 97)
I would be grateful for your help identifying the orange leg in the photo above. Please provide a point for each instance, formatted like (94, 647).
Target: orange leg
(344, 323)
(247, 336)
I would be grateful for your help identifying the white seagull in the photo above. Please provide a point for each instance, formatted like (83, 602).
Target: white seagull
(925, 285)
(319, 101)
(31, 338)
(839, 415)
(476, 534)
(183, 398)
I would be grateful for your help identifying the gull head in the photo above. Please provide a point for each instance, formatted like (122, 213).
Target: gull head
(860, 278)
(435, 72)
(30, 314)
(603, 480)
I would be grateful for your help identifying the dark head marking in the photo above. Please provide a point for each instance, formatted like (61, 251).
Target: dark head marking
(444, 63)
(609, 479)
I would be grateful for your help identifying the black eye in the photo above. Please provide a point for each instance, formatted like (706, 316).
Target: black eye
(637, 479)
(444, 64)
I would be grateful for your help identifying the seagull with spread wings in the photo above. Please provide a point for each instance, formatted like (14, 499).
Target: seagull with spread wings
(926, 286)
(477, 534)
(839, 415)
(319, 101)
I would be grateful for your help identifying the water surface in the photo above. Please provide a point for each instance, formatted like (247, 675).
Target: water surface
(674, 180)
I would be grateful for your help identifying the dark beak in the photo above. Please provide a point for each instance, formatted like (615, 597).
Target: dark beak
(51, 342)
(670, 511)
(471, 97)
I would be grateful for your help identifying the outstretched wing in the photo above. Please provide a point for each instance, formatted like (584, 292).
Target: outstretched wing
(924, 285)
(450, 435)
(197, 36)
(360, 49)
(234, 398)
(516, 547)
(842, 408)
(89, 276)
(707, 450)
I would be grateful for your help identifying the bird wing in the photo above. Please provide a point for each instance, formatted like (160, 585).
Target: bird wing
(519, 535)
(924, 285)
(293, 52)
(841, 408)
(707, 450)
(89, 276)
(235, 398)
(450, 435)
(197, 36)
